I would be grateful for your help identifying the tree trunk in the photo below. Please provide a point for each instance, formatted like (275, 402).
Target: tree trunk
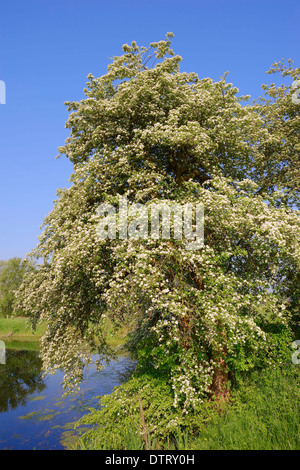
(220, 382)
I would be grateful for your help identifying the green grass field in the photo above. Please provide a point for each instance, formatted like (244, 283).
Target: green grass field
(263, 414)
(15, 329)
(19, 328)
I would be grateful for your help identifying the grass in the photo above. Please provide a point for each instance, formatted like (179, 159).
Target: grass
(115, 338)
(19, 328)
(264, 415)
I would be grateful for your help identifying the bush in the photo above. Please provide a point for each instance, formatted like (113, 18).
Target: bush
(139, 414)
(263, 413)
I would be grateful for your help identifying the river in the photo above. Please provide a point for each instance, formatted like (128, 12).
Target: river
(33, 412)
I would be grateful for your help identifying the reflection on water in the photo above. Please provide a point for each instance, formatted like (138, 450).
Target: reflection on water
(20, 376)
(33, 412)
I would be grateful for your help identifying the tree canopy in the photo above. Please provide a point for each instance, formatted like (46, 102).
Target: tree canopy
(148, 131)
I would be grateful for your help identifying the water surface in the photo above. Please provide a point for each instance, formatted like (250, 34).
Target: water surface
(33, 412)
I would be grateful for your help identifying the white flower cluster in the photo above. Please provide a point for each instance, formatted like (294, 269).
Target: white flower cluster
(154, 134)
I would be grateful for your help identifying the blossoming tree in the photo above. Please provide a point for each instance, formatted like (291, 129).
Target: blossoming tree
(154, 133)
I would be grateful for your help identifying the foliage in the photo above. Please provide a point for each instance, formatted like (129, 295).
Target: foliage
(278, 166)
(138, 414)
(158, 134)
(12, 272)
(262, 414)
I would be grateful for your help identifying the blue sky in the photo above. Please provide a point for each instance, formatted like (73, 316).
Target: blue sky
(48, 47)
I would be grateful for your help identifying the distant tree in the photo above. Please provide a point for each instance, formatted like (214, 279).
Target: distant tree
(12, 272)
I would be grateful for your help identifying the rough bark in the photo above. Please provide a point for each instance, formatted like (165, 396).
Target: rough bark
(220, 381)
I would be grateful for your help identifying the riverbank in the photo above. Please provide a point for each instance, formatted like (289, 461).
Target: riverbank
(261, 414)
(35, 414)
(19, 328)
(15, 330)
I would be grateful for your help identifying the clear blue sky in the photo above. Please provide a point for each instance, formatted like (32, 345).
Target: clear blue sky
(48, 47)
